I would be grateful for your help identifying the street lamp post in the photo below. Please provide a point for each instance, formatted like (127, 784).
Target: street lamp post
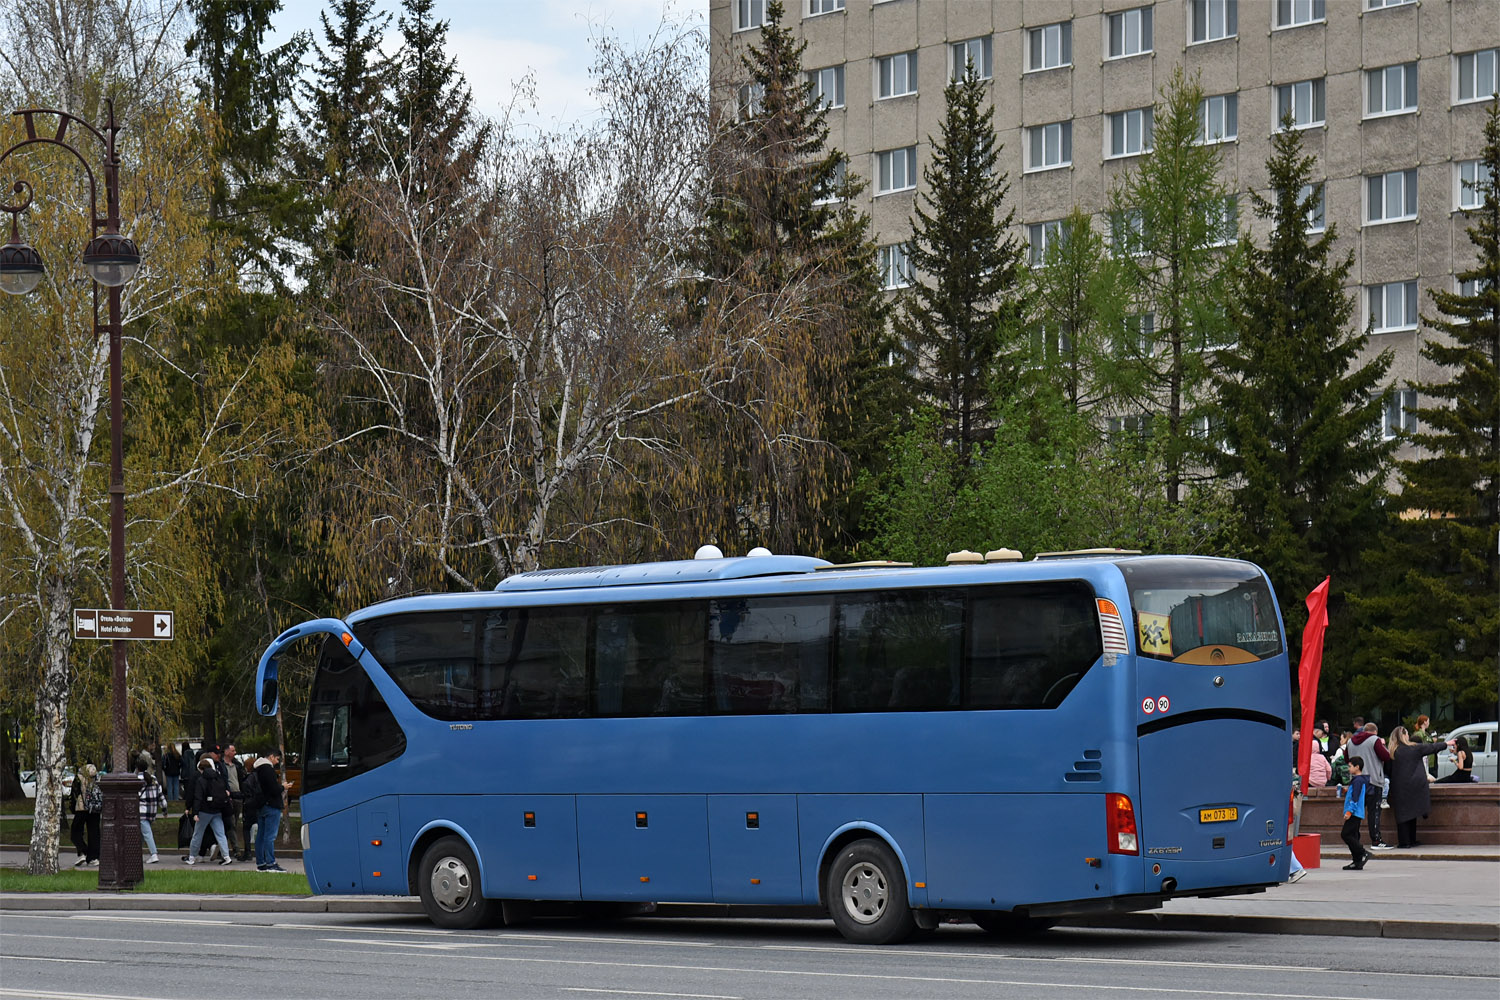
(111, 260)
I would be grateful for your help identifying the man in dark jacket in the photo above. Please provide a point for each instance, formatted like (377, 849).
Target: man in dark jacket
(271, 797)
(234, 777)
(1370, 749)
(210, 796)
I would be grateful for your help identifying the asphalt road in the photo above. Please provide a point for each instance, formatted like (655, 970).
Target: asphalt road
(108, 956)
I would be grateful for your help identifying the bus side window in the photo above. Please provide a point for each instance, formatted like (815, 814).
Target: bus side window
(769, 655)
(899, 651)
(648, 659)
(1030, 644)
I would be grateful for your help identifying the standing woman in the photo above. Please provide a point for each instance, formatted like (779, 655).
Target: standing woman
(1409, 794)
(93, 808)
(78, 829)
(151, 802)
(1463, 763)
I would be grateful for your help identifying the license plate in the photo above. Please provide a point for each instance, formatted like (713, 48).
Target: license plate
(1218, 815)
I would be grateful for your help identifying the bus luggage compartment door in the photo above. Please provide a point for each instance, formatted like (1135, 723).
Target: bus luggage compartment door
(644, 847)
(753, 848)
(1214, 801)
(380, 859)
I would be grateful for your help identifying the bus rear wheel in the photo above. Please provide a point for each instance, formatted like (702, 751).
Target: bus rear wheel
(448, 881)
(866, 893)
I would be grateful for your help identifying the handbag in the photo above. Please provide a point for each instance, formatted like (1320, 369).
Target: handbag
(185, 831)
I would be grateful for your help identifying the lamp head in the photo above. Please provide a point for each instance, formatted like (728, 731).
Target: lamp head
(20, 268)
(112, 259)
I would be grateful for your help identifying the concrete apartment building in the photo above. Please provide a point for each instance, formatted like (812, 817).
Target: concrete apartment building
(1391, 95)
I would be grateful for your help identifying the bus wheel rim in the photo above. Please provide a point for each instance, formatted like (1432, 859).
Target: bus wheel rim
(452, 886)
(866, 893)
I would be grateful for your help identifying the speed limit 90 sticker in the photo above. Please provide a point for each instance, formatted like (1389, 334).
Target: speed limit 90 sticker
(1152, 705)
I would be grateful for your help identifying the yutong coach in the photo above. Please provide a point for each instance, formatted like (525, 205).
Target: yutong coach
(1017, 741)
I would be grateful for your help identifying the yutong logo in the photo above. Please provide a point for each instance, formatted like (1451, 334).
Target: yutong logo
(1271, 843)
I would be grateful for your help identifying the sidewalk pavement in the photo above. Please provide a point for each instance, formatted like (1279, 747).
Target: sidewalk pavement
(1443, 891)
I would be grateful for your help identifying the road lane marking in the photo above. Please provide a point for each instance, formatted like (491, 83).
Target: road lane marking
(60, 995)
(96, 939)
(39, 958)
(1215, 991)
(648, 993)
(435, 945)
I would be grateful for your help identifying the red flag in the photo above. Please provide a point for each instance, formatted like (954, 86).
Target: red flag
(1308, 669)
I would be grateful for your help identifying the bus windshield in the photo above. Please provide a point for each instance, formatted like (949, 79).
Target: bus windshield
(1202, 611)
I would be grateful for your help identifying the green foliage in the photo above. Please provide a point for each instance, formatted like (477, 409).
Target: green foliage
(1076, 302)
(1434, 631)
(1172, 217)
(1045, 482)
(1296, 407)
(956, 319)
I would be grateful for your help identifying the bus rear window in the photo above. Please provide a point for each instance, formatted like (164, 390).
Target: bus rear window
(1202, 610)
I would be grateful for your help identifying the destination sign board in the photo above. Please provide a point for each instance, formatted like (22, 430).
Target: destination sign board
(108, 623)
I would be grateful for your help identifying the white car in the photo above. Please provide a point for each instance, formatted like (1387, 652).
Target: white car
(1482, 738)
(28, 784)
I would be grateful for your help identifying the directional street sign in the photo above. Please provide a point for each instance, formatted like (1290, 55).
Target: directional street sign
(107, 623)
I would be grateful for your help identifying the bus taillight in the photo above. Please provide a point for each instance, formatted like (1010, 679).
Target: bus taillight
(1119, 817)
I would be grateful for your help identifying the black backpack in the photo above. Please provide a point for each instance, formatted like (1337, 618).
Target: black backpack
(254, 797)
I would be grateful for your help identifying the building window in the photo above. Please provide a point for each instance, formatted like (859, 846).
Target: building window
(898, 74)
(1378, 4)
(1391, 197)
(1135, 427)
(1050, 46)
(1130, 132)
(1476, 75)
(1290, 13)
(1049, 146)
(1391, 90)
(979, 51)
(1137, 336)
(1392, 306)
(816, 7)
(828, 86)
(1473, 180)
(1130, 32)
(1048, 342)
(1223, 220)
(1316, 210)
(897, 169)
(1213, 19)
(1468, 288)
(752, 98)
(1042, 236)
(1400, 414)
(1218, 118)
(895, 266)
(749, 14)
(1127, 230)
(832, 190)
(1303, 101)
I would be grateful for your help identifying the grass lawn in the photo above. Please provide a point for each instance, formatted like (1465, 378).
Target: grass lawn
(161, 879)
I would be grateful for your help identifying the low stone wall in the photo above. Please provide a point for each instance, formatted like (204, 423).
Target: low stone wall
(1461, 814)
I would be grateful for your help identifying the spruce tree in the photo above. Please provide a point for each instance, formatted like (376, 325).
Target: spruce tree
(432, 107)
(1435, 630)
(1295, 404)
(1172, 219)
(782, 248)
(248, 88)
(955, 319)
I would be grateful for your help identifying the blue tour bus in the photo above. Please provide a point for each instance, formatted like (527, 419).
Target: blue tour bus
(1018, 741)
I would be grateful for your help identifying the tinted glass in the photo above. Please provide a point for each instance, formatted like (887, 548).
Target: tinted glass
(350, 730)
(899, 651)
(1029, 644)
(1184, 604)
(534, 664)
(769, 654)
(432, 657)
(648, 659)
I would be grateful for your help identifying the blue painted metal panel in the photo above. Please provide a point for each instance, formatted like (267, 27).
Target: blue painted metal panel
(382, 862)
(664, 861)
(1001, 851)
(509, 852)
(332, 859)
(896, 819)
(767, 853)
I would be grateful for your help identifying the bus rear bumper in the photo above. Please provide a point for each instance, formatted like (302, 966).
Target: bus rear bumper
(1127, 904)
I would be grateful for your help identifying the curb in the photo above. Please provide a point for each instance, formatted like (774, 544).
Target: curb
(1424, 930)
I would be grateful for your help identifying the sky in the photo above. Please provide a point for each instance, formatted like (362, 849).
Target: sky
(499, 42)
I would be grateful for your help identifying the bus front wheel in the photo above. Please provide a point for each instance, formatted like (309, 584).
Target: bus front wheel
(449, 885)
(866, 893)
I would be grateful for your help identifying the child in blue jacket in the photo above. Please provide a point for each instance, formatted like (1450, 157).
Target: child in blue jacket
(1354, 811)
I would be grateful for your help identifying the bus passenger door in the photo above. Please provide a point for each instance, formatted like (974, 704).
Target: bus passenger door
(644, 847)
(753, 847)
(380, 847)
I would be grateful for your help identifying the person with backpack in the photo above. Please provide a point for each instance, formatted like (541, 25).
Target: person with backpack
(93, 809)
(210, 799)
(254, 799)
(151, 802)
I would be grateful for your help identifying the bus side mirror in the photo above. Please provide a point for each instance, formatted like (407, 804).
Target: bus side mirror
(268, 696)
